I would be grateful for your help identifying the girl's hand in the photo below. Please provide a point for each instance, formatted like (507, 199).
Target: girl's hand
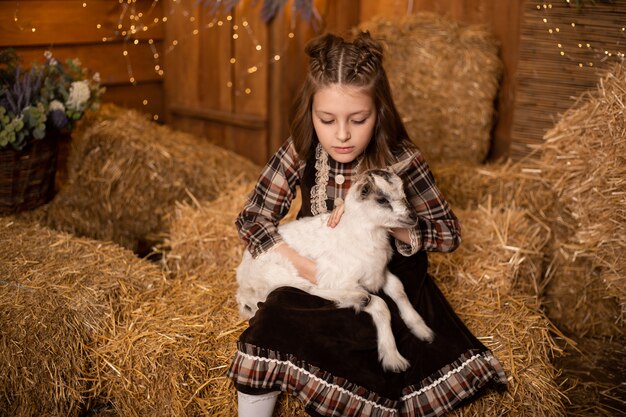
(306, 268)
(335, 216)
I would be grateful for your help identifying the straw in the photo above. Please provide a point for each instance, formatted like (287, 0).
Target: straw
(447, 120)
(125, 174)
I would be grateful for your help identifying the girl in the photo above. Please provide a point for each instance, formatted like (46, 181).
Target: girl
(345, 121)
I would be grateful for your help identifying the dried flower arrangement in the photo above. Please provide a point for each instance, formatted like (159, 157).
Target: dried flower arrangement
(48, 96)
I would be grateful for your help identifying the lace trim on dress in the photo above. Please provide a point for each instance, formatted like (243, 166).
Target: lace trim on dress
(442, 391)
(408, 249)
(319, 190)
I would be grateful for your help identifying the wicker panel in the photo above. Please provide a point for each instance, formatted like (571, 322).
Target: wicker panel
(547, 82)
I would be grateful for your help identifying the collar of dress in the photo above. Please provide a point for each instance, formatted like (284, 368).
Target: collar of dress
(319, 192)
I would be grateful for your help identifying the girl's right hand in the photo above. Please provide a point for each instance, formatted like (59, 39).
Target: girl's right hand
(335, 216)
(306, 268)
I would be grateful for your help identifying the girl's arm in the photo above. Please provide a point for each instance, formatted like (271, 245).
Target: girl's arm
(269, 201)
(438, 228)
(306, 267)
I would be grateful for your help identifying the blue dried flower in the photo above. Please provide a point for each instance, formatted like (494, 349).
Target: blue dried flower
(49, 96)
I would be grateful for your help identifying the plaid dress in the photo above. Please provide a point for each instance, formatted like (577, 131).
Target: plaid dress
(328, 357)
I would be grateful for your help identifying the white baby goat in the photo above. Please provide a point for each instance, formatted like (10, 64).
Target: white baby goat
(351, 261)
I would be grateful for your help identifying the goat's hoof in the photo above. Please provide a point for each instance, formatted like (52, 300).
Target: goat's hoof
(365, 300)
(394, 362)
(424, 333)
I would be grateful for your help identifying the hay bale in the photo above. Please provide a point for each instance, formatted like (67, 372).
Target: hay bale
(502, 249)
(203, 234)
(125, 174)
(171, 356)
(512, 184)
(447, 120)
(520, 336)
(583, 159)
(493, 281)
(577, 300)
(500, 258)
(59, 294)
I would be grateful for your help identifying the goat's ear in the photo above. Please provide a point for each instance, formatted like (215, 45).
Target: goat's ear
(365, 189)
(401, 167)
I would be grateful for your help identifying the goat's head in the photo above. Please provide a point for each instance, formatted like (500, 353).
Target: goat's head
(380, 192)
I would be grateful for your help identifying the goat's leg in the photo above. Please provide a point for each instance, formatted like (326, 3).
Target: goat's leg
(343, 298)
(393, 287)
(388, 353)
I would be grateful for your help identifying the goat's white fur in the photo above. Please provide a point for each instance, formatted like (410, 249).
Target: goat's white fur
(351, 261)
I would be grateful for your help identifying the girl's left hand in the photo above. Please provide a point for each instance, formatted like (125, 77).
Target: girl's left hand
(335, 216)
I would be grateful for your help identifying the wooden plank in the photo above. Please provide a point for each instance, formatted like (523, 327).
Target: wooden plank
(287, 37)
(248, 121)
(134, 97)
(251, 54)
(215, 70)
(341, 16)
(68, 22)
(181, 50)
(505, 19)
(244, 142)
(106, 58)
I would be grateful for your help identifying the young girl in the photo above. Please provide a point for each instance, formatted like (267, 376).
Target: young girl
(344, 122)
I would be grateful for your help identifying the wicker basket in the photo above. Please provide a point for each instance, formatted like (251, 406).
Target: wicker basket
(27, 176)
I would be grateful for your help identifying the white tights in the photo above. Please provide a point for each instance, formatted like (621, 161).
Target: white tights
(256, 405)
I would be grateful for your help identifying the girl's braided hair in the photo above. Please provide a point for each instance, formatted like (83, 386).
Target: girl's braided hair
(333, 60)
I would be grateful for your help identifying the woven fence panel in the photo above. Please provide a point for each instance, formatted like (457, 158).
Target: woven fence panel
(564, 48)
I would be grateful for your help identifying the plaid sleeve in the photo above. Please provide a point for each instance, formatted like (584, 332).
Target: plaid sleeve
(438, 228)
(269, 201)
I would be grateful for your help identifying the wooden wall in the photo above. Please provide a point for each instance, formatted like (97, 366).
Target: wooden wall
(212, 84)
(207, 94)
(234, 80)
(76, 29)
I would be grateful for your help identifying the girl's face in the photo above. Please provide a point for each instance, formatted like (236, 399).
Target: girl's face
(344, 118)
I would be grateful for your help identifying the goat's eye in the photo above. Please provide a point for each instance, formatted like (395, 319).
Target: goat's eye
(382, 201)
(365, 190)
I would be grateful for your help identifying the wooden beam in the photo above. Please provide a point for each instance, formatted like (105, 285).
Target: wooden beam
(247, 121)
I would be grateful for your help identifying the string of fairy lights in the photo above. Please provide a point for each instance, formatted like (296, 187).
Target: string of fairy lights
(581, 48)
(134, 26)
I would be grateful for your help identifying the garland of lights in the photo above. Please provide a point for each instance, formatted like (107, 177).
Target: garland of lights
(554, 32)
(144, 22)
